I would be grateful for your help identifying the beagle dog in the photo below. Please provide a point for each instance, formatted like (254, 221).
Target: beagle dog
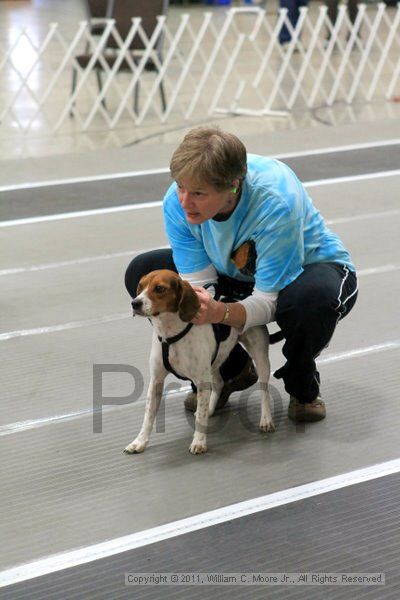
(170, 303)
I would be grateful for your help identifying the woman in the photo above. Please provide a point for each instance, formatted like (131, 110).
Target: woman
(246, 224)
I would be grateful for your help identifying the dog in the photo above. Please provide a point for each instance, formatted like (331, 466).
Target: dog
(194, 353)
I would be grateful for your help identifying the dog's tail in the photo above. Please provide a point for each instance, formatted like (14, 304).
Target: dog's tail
(276, 337)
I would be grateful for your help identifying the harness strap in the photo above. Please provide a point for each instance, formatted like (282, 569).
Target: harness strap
(167, 364)
(165, 344)
(221, 332)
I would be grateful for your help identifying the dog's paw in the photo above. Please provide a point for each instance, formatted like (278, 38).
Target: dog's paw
(198, 448)
(267, 426)
(135, 447)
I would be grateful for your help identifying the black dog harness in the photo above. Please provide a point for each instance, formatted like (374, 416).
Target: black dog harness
(221, 332)
(228, 290)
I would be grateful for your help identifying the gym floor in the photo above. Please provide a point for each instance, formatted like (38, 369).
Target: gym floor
(77, 514)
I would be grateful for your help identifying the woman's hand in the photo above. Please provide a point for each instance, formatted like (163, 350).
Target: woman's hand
(210, 310)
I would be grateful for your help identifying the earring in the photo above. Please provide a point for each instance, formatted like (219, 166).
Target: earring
(234, 190)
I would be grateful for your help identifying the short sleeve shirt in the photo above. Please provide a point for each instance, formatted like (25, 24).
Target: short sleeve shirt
(274, 213)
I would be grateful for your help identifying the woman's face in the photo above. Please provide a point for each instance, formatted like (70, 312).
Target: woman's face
(202, 202)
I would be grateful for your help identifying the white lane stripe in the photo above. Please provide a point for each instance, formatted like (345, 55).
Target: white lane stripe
(68, 263)
(377, 270)
(8, 335)
(85, 179)
(19, 426)
(375, 349)
(81, 213)
(348, 148)
(122, 175)
(64, 326)
(89, 259)
(11, 428)
(365, 216)
(156, 204)
(66, 560)
(349, 178)
(76, 261)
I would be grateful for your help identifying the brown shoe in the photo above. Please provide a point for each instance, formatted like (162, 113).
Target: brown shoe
(307, 412)
(245, 379)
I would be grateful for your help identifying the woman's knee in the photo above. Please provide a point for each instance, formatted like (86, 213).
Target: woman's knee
(133, 274)
(143, 264)
(304, 307)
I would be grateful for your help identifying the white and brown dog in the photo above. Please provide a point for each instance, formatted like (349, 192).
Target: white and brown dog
(170, 303)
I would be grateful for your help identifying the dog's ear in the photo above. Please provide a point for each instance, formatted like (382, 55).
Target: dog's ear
(189, 303)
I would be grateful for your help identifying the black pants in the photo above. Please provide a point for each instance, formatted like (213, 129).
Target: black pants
(352, 9)
(308, 311)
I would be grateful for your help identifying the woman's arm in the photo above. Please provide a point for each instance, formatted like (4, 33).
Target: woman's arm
(257, 309)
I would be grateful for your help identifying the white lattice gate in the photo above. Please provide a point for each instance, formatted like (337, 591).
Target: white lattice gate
(208, 64)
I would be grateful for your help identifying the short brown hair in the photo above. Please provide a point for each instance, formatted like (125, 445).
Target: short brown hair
(210, 155)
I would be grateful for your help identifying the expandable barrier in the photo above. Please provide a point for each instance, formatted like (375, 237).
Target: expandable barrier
(206, 64)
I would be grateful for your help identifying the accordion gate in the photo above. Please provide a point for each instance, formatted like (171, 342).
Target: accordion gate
(212, 63)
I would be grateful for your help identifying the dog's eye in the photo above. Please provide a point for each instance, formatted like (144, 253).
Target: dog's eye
(159, 289)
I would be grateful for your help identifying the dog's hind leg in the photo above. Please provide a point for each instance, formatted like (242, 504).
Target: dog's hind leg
(255, 340)
(153, 400)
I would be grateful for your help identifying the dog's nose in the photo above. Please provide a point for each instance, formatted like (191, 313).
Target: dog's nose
(136, 304)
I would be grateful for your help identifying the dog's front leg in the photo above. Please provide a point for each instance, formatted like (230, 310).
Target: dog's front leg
(199, 442)
(153, 400)
(217, 385)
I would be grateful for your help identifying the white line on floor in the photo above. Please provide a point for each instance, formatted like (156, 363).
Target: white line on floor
(348, 148)
(84, 179)
(126, 174)
(113, 547)
(89, 259)
(75, 261)
(81, 213)
(9, 335)
(375, 349)
(11, 428)
(365, 216)
(17, 427)
(156, 204)
(349, 178)
(377, 270)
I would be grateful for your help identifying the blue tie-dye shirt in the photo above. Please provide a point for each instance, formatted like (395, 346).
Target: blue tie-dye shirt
(274, 212)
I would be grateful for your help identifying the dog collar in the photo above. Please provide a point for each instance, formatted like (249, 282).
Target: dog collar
(176, 338)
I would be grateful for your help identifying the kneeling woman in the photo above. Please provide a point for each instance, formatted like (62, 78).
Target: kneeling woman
(243, 226)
